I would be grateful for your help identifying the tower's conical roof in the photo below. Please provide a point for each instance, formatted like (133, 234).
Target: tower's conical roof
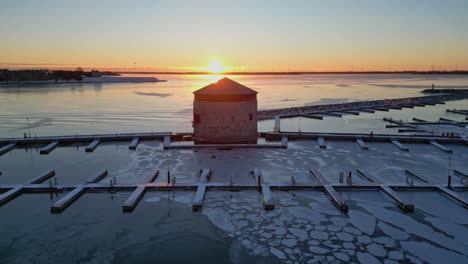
(225, 86)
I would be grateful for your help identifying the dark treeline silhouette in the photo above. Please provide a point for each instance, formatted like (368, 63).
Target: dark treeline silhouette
(463, 72)
(46, 75)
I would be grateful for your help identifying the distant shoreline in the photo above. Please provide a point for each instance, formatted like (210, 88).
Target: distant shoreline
(299, 72)
(90, 80)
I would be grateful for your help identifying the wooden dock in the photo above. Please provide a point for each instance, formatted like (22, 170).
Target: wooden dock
(7, 148)
(36, 185)
(334, 114)
(452, 195)
(439, 146)
(10, 195)
(68, 199)
(98, 177)
(460, 173)
(205, 175)
(199, 197)
(316, 116)
(362, 144)
(454, 122)
(135, 141)
(267, 198)
(352, 112)
(406, 207)
(419, 178)
(224, 146)
(19, 189)
(369, 111)
(335, 198)
(322, 143)
(43, 177)
(47, 149)
(459, 111)
(399, 145)
(93, 145)
(132, 201)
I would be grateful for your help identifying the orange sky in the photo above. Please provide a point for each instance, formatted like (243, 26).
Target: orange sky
(242, 36)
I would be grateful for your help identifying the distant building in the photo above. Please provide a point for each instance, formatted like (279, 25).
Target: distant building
(225, 112)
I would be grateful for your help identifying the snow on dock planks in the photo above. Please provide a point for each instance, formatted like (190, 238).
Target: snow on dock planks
(93, 145)
(199, 198)
(333, 195)
(132, 201)
(7, 148)
(133, 145)
(406, 207)
(47, 149)
(267, 198)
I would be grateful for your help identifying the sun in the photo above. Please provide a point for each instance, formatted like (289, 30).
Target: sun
(215, 66)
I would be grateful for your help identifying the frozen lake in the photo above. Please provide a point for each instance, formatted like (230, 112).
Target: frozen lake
(233, 227)
(145, 107)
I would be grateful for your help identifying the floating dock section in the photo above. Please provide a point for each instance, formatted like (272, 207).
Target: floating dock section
(133, 145)
(98, 177)
(362, 144)
(67, 200)
(10, 195)
(224, 146)
(460, 173)
(455, 111)
(439, 146)
(42, 178)
(267, 198)
(452, 195)
(399, 145)
(7, 148)
(411, 174)
(132, 201)
(47, 149)
(335, 198)
(199, 198)
(322, 143)
(93, 145)
(406, 207)
(318, 117)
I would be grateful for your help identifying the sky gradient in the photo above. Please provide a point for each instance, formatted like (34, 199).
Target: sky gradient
(242, 35)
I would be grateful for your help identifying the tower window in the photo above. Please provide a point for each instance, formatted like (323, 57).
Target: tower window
(250, 117)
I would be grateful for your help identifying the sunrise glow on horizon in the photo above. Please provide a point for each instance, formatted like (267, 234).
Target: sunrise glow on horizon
(244, 35)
